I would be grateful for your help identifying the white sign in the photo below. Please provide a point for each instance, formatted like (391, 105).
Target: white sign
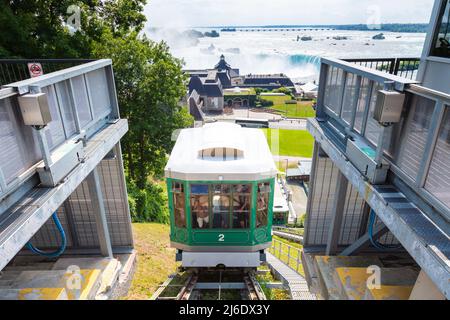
(35, 69)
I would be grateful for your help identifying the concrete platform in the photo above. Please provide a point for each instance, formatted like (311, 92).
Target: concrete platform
(327, 276)
(34, 294)
(389, 293)
(352, 283)
(81, 278)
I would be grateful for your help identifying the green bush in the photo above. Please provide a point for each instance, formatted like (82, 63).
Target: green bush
(265, 103)
(301, 220)
(148, 204)
(290, 102)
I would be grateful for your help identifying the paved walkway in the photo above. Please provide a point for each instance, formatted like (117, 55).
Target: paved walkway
(297, 284)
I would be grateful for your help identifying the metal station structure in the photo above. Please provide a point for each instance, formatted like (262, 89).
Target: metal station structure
(60, 153)
(382, 152)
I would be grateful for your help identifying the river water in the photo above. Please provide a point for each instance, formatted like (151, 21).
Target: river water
(281, 51)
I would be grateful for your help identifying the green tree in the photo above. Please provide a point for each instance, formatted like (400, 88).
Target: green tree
(149, 80)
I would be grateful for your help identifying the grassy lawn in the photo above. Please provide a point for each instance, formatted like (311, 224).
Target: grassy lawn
(294, 143)
(303, 109)
(156, 260)
(289, 258)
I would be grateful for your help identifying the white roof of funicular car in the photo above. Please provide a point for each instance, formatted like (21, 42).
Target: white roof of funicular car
(246, 157)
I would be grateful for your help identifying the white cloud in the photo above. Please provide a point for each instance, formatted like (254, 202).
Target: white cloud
(183, 13)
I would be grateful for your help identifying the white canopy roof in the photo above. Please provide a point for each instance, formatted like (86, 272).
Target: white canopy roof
(246, 157)
(309, 87)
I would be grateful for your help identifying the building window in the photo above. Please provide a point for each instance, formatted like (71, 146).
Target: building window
(241, 206)
(200, 206)
(438, 179)
(179, 207)
(441, 47)
(262, 204)
(221, 205)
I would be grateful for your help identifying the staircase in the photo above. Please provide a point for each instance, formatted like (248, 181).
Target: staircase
(356, 278)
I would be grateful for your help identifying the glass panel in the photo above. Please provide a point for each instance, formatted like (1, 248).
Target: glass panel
(414, 136)
(221, 205)
(65, 106)
(19, 149)
(98, 88)
(179, 207)
(442, 38)
(241, 206)
(361, 106)
(438, 179)
(262, 204)
(349, 97)
(54, 131)
(373, 129)
(200, 206)
(328, 85)
(333, 101)
(81, 100)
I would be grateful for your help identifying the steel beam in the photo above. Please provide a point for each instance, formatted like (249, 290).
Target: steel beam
(364, 241)
(98, 206)
(337, 214)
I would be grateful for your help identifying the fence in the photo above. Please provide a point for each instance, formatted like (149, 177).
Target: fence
(13, 70)
(402, 67)
(290, 255)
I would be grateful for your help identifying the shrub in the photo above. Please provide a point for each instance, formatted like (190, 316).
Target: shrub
(148, 204)
(265, 103)
(290, 102)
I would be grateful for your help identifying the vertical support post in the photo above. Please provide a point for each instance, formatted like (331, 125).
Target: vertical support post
(96, 195)
(337, 214)
(45, 150)
(320, 112)
(289, 254)
(112, 92)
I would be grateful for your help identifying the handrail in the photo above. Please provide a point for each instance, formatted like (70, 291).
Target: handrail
(289, 255)
(371, 74)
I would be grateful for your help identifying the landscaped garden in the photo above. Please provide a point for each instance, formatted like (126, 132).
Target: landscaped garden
(285, 106)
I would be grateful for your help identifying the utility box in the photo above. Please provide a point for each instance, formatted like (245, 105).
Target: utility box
(389, 106)
(362, 156)
(35, 109)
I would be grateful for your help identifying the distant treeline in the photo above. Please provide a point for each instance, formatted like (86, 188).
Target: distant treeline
(391, 27)
(388, 27)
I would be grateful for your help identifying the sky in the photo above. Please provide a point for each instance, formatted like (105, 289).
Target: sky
(190, 13)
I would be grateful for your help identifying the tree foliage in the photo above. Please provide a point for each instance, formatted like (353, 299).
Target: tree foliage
(149, 80)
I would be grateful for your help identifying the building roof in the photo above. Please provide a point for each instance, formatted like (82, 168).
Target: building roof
(222, 64)
(254, 163)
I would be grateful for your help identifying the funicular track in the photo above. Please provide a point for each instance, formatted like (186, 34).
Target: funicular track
(212, 284)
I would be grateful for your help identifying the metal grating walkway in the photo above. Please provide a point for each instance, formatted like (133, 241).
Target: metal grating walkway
(297, 284)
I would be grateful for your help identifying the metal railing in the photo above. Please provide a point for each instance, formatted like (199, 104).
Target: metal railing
(403, 67)
(13, 70)
(416, 148)
(289, 255)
